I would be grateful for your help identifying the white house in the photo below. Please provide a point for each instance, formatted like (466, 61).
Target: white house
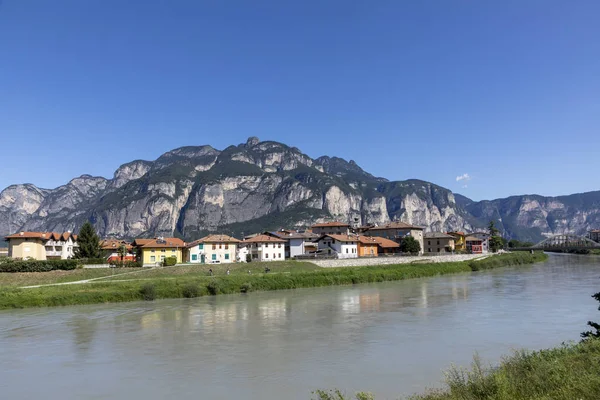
(266, 248)
(343, 246)
(242, 252)
(41, 245)
(297, 243)
(213, 249)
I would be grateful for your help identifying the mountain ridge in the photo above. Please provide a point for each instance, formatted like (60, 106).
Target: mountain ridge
(259, 185)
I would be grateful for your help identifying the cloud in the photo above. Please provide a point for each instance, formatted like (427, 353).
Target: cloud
(464, 177)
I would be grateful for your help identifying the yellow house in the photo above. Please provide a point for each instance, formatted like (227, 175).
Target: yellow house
(153, 251)
(459, 240)
(41, 245)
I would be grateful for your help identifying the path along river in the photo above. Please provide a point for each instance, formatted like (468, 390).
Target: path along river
(391, 338)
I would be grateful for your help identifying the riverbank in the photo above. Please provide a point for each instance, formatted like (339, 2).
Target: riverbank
(571, 371)
(180, 282)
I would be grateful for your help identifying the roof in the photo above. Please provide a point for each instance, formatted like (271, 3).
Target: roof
(437, 235)
(159, 242)
(264, 239)
(214, 239)
(293, 235)
(473, 239)
(459, 233)
(385, 243)
(342, 238)
(330, 224)
(595, 231)
(395, 225)
(43, 235)
(109, 244)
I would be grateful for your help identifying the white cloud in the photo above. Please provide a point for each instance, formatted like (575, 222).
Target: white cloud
(464, 177)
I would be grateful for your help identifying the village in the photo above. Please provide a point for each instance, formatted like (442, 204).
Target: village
(322, 241)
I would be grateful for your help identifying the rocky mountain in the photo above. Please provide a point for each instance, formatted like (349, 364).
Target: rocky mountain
(257, 185)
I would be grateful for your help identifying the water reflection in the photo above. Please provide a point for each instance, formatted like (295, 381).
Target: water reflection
(282, 344)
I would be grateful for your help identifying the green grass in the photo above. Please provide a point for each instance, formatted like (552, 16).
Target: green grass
(177, 282)
(42, 278)
(568, 372)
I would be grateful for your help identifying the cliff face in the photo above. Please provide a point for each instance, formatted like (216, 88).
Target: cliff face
(267, 185)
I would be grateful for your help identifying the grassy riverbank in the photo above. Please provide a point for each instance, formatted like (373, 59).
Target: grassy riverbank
(193, 281)
(567, 372)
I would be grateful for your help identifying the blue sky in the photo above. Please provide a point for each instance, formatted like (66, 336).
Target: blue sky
(503, 93)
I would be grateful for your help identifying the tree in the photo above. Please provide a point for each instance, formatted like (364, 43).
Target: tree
(122, 252)
(493, 231)
(410, 245)
(496, 241)
(595, 325)
(88, 242)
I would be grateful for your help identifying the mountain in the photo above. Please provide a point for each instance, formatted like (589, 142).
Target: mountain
(254, 186)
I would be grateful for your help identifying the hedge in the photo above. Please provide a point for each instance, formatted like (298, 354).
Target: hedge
(92, 261)
(38, 265)
(169, 261)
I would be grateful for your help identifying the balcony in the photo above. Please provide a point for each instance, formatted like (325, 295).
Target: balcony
(53, 253)
(55, 243)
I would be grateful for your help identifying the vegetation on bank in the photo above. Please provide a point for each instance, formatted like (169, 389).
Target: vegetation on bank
(571, 371)
(167, 283)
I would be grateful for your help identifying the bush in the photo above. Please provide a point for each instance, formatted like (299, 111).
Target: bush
(38, 265)
(213, 287)
(169, 261)
(126, 264)
(148, 291)
(248, 258)
(190, 291)
(246, 287)
(92, 261)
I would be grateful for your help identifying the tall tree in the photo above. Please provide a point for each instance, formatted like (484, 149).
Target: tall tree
(410, 245)
(496, 241)
(88, 242)
(122, 252)
(594, 325)
(493, 231)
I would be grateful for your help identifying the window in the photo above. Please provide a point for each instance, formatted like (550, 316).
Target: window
(266, 255)
(220, 246)
(429, 242)
(227, 256)
(162, 258)
(201, 246)
(226, 246)
(429, 250)
(163, 250)
(152, 251)
(194, 257)
(214, 257)
(172, 250)
(214, 246)
(439, 249)
(279, 255)
(279, 246)
(274, 255)
(438, 242)
(153, 258)
(346, 250)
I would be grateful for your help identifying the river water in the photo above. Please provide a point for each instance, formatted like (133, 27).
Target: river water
(391, 338)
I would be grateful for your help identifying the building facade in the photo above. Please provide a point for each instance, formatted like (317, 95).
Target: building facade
(459, 241)
(331, 228)
(474, 245)
(594, 235)
(342, 246)
(42, 245)
(265, 248)
(396, 231)
(110, 250)
(485, 240)
(367, 246)
(438, 242)
(297, 243)
(213, 249)
(152, 252)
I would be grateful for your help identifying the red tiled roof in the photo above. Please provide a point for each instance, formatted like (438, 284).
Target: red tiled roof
(330, 224)
(395, 225)
(114, 244)
(43, 236)
(264, 239)
(385, 243)
(159, 242)
(214, 239)
(342, 238)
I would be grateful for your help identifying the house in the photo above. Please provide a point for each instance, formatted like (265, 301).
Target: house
(438, 242)
(331, 228)
(110, 250)
(396, 231)
(594, 235)
(459, 240)
(342, 246)
(485, 240)
(367, 246)
(386, 246)
(297, 243)
(265, 248)
(243, 251)
(42, 245)
(213, 249)
(474, 245)
(152, 251)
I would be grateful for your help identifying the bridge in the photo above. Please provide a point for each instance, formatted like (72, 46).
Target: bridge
(566, 242)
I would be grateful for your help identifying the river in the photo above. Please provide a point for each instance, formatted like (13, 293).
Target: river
(391, 338)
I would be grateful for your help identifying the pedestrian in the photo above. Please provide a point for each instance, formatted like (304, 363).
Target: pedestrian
(227, 271)
(210, 271)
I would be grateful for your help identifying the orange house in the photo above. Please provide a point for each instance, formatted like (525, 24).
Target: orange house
(367, 246)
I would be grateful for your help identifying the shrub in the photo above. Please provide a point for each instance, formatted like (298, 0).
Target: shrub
(213, 287)
(190, 291)
(246, 287)
(92, 261)
(148, 291)
(248, 258)
(169, 261)
(126, 264)
(38, 265)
